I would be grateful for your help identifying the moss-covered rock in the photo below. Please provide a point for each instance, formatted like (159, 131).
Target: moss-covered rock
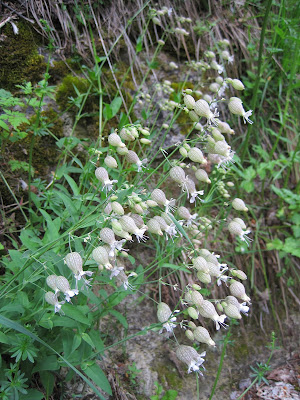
(19, 59)
(67, 89)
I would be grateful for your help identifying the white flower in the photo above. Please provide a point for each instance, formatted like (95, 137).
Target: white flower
(189, 356)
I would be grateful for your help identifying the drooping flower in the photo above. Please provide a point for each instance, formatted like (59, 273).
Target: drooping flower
(235, 106)
(165, 315)
(102, 176)
(189, 356)
(207, 310)
(52, 299)
(63, 286)
(107, 236)
(74, 262)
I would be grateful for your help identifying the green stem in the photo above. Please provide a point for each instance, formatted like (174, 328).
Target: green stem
(226, 340)
(255, 90)
(248, 388)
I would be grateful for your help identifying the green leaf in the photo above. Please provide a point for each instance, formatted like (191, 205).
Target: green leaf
(48, 380)
(98, 343)
(53, 226)
(32, 394)
(69, 204)
(87, 339)
(4, 125)
(110, 110)
(72, 184)
(4, 338)
(119, 317)
(176, 267)
(291, 246)
(49, 363)
(74, 313)
(139, 44)
(30, 240)
(97, 376)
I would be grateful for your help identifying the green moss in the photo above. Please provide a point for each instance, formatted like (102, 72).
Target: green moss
(19, 59)
(168, 376)
(67, 89)
(59, 69)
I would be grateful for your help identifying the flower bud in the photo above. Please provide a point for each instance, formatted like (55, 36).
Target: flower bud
(158, 196)
(122, 151)
(151, 203)
(117, 208)
(237, 84)
(110, 162)
(115, 140)
(194, 117)
(238, 274)
(192, 312)
(202, 176)
(196, 155)
(154, 227)
(239, 205)
(231, 311)
(145, 141)
(189, 101)
(163, 312)
(189, 334)
(192, 325)
(203, 277)
(223, 127)
(195, 286)
(237, 289)
(214, 87)
(127, 135)
(197, 298)
(202, 335)
(200, 264)
(183, 151)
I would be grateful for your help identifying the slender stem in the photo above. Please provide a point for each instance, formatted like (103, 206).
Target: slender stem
(226, 340)
(255, 90)
(248, 388)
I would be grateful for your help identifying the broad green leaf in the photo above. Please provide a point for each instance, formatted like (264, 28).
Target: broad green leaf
(32, 394)
(48, 380)
(72, 184)
(87, 339)
(98, 343)
(74, 313)
(49, 363)
(119, 317)
(97, 376)
(4, 338)
(110, 110)
(30, 240)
